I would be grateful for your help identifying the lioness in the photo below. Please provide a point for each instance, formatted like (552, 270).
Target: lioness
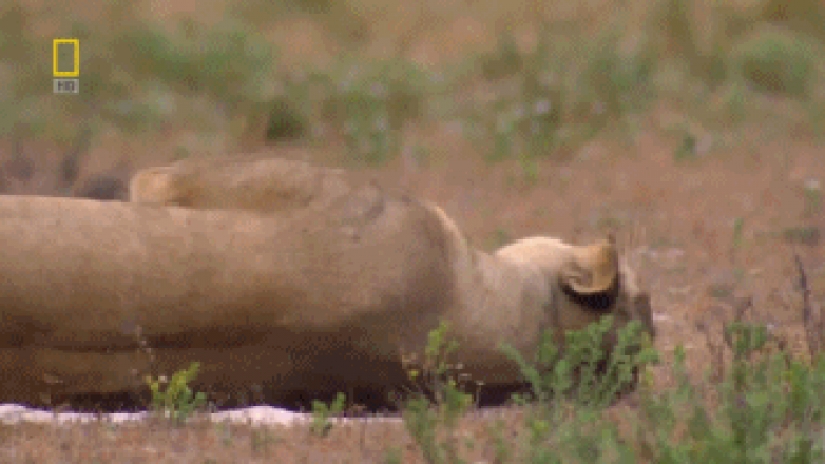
(515, 277)
(324, 298)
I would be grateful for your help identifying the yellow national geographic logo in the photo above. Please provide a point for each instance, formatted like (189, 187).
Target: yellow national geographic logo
(66, 58)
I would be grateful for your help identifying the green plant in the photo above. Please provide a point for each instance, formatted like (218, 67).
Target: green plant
(613, 77)
(738, 237)
(673, 19)
(505, 61)
(176, 401)
(813, 197)
(687, 148)
(774, 60)
(261, 439)
(768, 408)
(229, 65)
(321, 413)
(424, 419)
(571, 385)
(504, 137)
(736, 101)
(529, 169)
(804, 235)
(542, 97)
(558, 430)
(503, 451)
(567, 90)
(285, 120)
(370, 104)
(263, 12)
(803, 16)
(393, 455)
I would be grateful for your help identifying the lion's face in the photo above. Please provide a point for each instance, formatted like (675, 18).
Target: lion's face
(594, 281)
(586, 283)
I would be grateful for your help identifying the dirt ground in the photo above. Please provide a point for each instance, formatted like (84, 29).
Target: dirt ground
(704, 233)
(674, 219)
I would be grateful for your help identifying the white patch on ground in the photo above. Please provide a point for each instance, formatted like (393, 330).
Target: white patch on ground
(255, 415)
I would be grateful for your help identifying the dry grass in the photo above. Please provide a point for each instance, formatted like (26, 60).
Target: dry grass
(695, 273)
(202, 441)
(698, 265)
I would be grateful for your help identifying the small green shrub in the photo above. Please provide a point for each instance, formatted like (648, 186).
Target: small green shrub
(673, 19)
(285, 120)
(176, 401)
(321, 413)
(565, 91)
(262, 12)
(583, 370)
(261, 439)
(393, 455)
(803, 235)
(774, 60)
(803, 16)
(542, 97)
(370, 104)
(423, 419)
(557, 432)
(234, 61)
(504, 135)
(738, 238)
(571, 385)
(613, 77)
(736, 96)
(229, 62)
(769, 408)
(813, 197)
(529, 169)
(505, 61)
(687, 149)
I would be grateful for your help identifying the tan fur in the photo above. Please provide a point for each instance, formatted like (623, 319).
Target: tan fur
(264, 185)
(508, 295)
(285, 186)
(150, 186)
(513, 294)
(327, 296)
(253, 298)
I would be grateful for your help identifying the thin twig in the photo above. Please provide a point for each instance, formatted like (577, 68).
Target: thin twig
(814, 341)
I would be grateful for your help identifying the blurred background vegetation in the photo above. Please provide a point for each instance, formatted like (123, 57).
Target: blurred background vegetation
(523, 81)
(529, 79)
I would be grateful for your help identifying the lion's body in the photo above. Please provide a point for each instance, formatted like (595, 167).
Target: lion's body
(78, 277)
(323, 297)
(509, 296)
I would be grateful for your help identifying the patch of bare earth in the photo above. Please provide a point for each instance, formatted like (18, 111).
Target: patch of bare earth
(677, 220)
(675, 217)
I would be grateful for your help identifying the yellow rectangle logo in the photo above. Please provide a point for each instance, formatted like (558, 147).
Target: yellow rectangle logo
(66, 58)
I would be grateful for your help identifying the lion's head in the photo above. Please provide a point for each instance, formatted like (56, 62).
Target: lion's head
(585, 282)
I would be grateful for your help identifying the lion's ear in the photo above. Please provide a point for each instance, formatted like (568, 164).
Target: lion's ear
(593, 269)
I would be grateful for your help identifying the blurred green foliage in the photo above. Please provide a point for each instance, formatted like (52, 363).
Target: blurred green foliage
(580, 79)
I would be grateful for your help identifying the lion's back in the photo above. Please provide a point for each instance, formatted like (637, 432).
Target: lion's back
(264, 185)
